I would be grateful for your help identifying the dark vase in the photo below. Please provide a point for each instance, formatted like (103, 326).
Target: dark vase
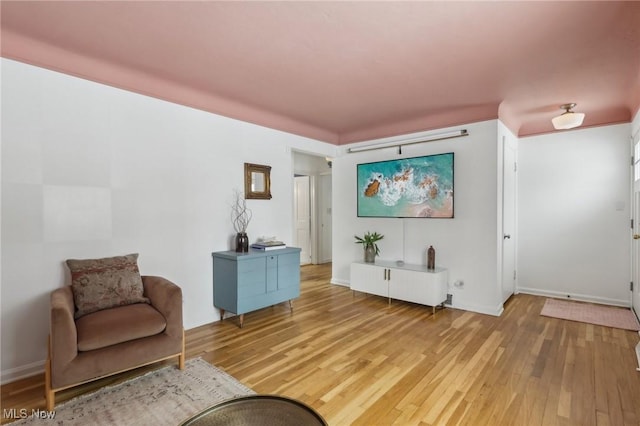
(431, 258)
(242, 242)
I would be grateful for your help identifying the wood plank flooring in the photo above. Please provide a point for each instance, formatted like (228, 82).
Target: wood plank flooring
(359, 361)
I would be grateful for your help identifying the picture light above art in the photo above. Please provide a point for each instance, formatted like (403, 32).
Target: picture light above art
(399, 143)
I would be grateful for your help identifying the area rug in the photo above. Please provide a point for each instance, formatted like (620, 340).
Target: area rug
(166, 396)
(609, 316)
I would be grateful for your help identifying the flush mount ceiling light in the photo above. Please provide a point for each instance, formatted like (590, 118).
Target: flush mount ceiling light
(568, 119)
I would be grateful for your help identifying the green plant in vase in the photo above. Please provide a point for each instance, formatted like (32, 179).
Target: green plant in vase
(371, 249)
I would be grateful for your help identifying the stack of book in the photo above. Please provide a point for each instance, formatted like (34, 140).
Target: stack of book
(268, 245)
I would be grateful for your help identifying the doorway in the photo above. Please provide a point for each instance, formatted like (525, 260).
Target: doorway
(312, 220)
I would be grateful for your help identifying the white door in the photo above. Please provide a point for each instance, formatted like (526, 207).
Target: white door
(302, 217)
(508, 219)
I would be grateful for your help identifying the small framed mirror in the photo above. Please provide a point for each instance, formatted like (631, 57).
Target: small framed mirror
(257, 181)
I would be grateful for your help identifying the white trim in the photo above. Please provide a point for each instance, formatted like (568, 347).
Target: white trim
(574, 296)
(13, 374)
(638, 354)
(314, 244)
(495, 311)
(337, 281)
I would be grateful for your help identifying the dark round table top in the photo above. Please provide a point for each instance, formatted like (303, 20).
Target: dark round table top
(267, 410)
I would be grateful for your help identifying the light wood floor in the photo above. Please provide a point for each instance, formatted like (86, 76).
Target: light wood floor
(357, 360)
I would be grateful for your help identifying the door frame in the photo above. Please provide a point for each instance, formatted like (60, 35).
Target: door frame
(322, 235)
(635, 220)
(509, 168)
(312, 220)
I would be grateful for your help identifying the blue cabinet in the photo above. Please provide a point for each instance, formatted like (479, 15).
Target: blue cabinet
(245, 282)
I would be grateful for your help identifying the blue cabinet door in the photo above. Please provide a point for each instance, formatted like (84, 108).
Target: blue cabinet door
(289, 271)
(251, 277)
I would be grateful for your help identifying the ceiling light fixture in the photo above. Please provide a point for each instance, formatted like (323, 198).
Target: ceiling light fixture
(568, 119)
(403, 142)
(329, 161)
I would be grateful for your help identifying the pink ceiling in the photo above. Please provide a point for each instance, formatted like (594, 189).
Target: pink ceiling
(348, 71)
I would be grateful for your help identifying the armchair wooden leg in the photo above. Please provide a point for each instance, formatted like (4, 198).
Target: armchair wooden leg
(182, 356)
(49, 394)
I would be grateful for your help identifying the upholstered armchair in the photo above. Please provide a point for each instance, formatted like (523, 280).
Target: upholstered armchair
(110, 320)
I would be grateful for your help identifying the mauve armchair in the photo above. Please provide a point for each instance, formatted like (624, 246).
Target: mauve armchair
(113, 340)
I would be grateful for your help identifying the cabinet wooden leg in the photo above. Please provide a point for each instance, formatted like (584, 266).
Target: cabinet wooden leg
(290, 305)
(241, 320)
(221, 314)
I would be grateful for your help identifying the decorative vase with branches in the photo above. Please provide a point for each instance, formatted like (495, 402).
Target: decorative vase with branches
(240, 218)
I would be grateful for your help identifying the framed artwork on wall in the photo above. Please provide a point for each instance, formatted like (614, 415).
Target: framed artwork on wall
(407, 187)
(257, 181)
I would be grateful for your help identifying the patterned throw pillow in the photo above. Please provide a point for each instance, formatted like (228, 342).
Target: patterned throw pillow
(104, 283)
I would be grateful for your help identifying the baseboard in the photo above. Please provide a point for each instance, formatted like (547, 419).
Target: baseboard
(638, 354)
(495, 311)
(574, 296)
(13, 374)
(344, 283)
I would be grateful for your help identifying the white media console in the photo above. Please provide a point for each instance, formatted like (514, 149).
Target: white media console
(408, 282)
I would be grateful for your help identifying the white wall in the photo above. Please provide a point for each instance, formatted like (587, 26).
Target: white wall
(92, 171)
(466, 245)
(574, 213)
(310, 165)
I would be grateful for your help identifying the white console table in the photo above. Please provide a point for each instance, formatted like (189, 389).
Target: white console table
(408, 282)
